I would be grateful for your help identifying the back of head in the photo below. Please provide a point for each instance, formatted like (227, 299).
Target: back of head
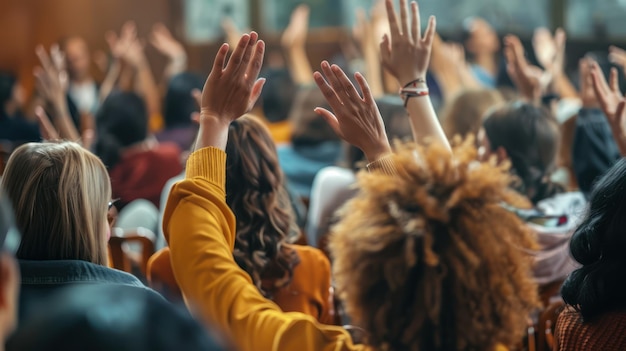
(121, 121)
(278, 94)
(107, 318)
(598, 245)
(414, 254)
(256, 194)
(464, 114)
(179, 103)
(530, 136)
(309, 128)
(60, 193)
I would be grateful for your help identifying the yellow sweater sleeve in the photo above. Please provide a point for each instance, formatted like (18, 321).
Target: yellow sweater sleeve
(200, 229)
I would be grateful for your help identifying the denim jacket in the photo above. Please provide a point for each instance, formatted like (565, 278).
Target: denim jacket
(41, 278)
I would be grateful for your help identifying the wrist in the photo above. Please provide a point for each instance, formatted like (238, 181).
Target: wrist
(375, 153)
(412, 78)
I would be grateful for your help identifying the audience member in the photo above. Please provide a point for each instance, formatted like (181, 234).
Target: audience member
(13, 127)
(595, 319)
(296, 277)
(9, 272)
(138, 165)
(107, 318)
(528, 137)
(482, 47)
(313, 145)
(179, 110)
(61, 194)
(82, 90)
(464, 114)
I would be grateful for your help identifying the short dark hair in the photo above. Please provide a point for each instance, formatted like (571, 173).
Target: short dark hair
(121, 121)
(179, 103)
(278, 94)
(598, 245)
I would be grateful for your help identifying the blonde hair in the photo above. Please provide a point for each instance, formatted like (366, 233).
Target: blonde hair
(429, 259)
(60, 193)
(464, 114)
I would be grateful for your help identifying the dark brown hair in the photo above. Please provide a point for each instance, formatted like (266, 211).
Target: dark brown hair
(256, 194)
(531, 137)
(428, 259)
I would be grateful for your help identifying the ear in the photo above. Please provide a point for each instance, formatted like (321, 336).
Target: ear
(501, 154)
(9, 292)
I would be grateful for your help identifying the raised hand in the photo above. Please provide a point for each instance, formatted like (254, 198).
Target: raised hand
(296, 32)
(231, 89)
(127, 46)
(617, 56)
(165, 43)
(51, 78)
(356, 118)
(530, 80)
(549, 49)
(405, 53)
(607, 94)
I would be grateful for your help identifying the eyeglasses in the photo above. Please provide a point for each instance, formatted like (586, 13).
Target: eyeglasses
(112, 202)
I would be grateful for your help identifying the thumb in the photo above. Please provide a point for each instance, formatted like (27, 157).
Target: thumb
(331, 119)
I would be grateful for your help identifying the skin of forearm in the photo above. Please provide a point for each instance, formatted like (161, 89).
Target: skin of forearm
(563, 87)
(62, 120)
(373, 69)
(299, 65)
(424, 122)
(146, 86)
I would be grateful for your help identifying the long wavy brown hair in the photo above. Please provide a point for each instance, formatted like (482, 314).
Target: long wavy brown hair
(429, 259)
(255, 192)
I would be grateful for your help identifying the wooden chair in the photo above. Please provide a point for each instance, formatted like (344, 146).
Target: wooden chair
(122, 258)
(545, 325)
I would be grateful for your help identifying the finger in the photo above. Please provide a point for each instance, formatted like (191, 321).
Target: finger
(247, 54)
(347, 85)
(257, 89)
(404, 18)
(47, 130)
(365, 88)
(597, 87)
(328, 92)
(46, 63)
(385, 50)
(393, 20)
(415, 22)
(431, 31)
(614, 81)
(331, 119)
(220, 58)
(595, 69)
(333, 81)
(256, 63)
(237, 56)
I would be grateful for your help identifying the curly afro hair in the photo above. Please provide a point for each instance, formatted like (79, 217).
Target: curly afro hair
(430, 259)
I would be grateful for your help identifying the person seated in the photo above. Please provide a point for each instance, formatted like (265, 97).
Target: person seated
(138, 165)
(482, 48)
(13, 126)
(107, 318)
(61, 194)
(313, 145)
(276, 101)
(179, 108)
(413, 252)
(528, 137)
(595, 318)
(295, 277)
(9, 272)
(83, 91)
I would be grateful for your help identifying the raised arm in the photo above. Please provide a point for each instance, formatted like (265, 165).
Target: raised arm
(612, 103)
(200, 228)
(294, 44)
(162, 40)
(406, 54)
(52, 83)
